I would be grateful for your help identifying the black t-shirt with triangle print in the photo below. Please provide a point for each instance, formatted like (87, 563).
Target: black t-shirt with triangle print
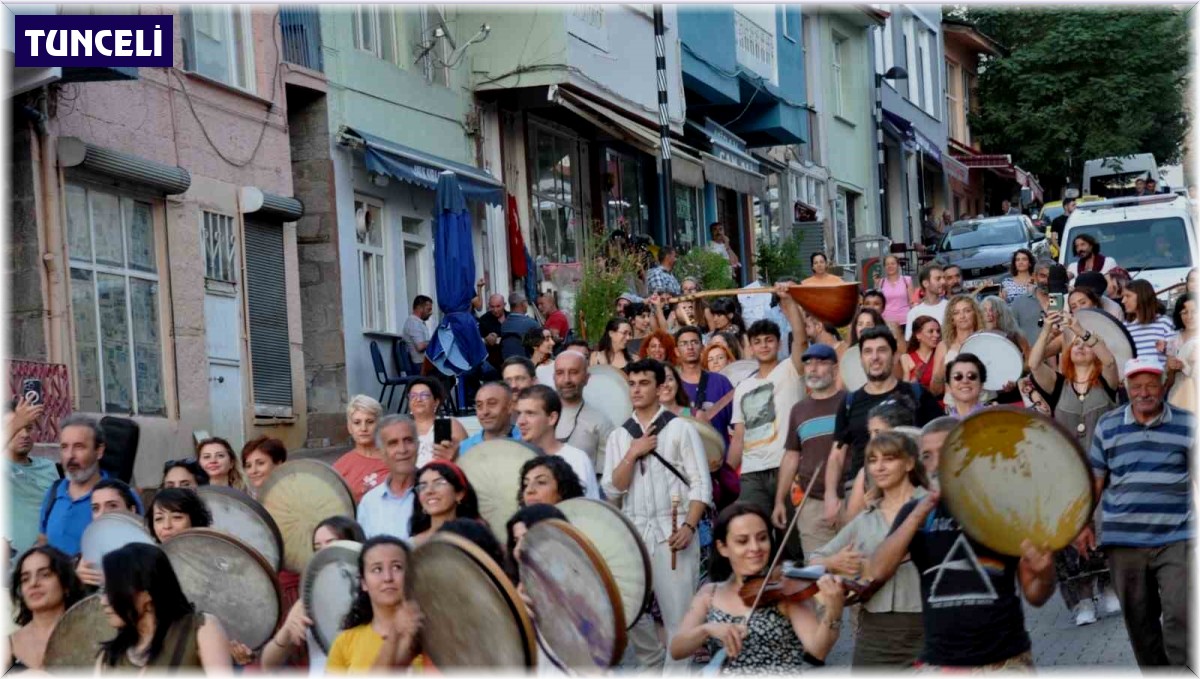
(972, 610)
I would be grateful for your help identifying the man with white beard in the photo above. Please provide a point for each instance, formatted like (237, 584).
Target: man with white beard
(581, 425)
(67, 508)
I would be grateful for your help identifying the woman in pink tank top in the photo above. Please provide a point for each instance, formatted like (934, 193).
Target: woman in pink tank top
(897, 289)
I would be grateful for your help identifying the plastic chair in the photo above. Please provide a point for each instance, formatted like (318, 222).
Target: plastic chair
(381, 374)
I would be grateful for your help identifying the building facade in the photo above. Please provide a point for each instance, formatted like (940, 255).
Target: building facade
(154, 257)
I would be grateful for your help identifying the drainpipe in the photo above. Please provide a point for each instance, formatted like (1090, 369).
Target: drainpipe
(51, 232)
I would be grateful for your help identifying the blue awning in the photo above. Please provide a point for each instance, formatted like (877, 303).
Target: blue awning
(901, 128)
(407, 164)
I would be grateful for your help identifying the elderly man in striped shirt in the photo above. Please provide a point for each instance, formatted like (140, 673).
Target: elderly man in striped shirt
(1141, 452)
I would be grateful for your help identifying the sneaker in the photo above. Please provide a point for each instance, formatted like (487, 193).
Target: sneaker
(1109, 603)
(1085, 613)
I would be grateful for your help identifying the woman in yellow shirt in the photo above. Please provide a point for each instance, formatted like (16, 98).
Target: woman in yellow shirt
(380, 631)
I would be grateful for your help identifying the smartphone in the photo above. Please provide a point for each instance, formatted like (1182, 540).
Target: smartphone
(442, 430)
(31, 389)
(1057, 301)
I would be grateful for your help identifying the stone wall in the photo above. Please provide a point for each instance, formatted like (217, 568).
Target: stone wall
(23, 266)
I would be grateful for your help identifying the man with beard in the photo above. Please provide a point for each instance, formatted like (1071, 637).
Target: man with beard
(387, 508)
(655, 463)
(711, 394)
(67, 507)
(877, 348)
(1028, 310)
(493, 407)
(490, 324)
(539, 409)
(1087, 252)
(951, 280)
(809, 439)
(28, 477)
(972, 610)
(932, 303)
(579, 425)
(760, 404)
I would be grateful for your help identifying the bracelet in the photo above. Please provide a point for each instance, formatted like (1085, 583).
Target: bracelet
(688, 525)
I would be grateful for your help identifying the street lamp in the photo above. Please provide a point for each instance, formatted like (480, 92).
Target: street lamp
(894, 73)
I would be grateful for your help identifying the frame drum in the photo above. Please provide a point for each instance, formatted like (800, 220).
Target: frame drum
(299, 495)
(608, 391)
(75, 640)
(739, 370)
(493, 468)
(1009, 474)
(329, 586)
(239, 515)
(850, 366)
(583, 624)
(226, 577)
(1003, 359)
(474, 617)
(1112, 331)
(618, 543)
(110, 532)
(714, 445)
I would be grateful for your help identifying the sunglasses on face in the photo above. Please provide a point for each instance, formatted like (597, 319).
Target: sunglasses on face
(970, 377)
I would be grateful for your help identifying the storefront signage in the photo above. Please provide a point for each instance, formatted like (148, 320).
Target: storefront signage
(730, 148)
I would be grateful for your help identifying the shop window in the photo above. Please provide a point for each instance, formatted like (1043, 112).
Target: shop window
(114, 302)
(624, 203)
(688, 207)
(556, 230)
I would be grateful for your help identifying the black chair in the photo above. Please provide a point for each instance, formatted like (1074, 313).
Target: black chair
(389, 383)
(405, 363)
(409, 370)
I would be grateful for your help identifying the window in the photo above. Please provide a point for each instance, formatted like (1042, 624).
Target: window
(375, 30)
(789, 22)
(687, 217)
(925, 40)
(372, 267)
(624, 203)
(910, 60)
(556, 229)
(217, 43)
(220, 248)
(839, 74)
(967, 85)
(114, 302)
(877, 45)
(955, 116)
(841, 229)
(430, 51)
(889, 51)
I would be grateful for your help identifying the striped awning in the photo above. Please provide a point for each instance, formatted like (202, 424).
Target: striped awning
(987, 161)
(955, 169)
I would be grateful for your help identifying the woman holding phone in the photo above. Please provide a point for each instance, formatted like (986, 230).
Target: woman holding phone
(436, 436)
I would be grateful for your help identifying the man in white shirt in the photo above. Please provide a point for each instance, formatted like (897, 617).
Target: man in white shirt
(661, 475)
(580, 424)
(416, 330)
(932, 303)
(387, 508)
(761, 405)
(538, 411)
(1087, 251)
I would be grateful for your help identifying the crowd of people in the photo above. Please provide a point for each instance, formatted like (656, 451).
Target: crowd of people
(859, 466)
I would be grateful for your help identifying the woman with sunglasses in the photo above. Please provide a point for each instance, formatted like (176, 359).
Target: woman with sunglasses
(443, 494)
(1081, 390)
(425, 398)
(157, 627)
(43, 587)
(184, 474)
(380, 632)
(967, 375)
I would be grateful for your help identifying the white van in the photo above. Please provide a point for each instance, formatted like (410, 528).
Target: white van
(1115, 176)
(1152, 237)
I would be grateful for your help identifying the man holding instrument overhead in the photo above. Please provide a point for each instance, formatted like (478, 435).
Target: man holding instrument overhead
(970, 605)
(1141, 453)
(656, 463)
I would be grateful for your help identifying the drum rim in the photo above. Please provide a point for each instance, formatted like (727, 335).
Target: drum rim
(855, 357)
(119, 516)
(646, 565)
(746, 361)
(606, 577)
(1062, 431)
(306, 586)
(500, 579)
(605, 372)
(255, 507)
(317, 469)
(483, 470)
(1115, 322)
(78, 604)
(992, 336)
(255, 556)
(700, 425)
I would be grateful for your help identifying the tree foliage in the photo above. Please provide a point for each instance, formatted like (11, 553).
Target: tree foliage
(1096, 82)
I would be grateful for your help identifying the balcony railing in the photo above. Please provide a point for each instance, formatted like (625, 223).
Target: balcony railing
(755, 45)
(301, 35)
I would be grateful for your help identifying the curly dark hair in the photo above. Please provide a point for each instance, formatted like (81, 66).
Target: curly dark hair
(63, 568)
(361, 611)
(467, 509)
(529, 516)
(1012, 263)
(182, 500)
(568, 482)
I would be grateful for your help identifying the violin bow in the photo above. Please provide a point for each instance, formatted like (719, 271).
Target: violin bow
(783, 541)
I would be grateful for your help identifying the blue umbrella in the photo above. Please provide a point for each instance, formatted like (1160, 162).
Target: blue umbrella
(456, 347)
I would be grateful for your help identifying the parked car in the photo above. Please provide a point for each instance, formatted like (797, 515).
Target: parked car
(983, 248)
(1151, 237)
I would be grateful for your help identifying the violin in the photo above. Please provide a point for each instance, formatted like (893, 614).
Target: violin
(780, 588)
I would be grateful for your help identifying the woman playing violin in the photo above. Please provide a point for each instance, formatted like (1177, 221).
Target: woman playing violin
(778, 635)
(890, 630)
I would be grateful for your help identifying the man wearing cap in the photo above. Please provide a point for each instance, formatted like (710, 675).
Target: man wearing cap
(809, 440)
(1097, 283)
(1139, 457)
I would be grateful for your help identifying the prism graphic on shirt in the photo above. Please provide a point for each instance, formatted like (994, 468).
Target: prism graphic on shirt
(962, 579)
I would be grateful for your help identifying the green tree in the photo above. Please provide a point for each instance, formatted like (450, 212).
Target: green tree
(1096, 82)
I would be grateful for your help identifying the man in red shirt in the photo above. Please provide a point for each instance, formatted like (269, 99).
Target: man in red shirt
(556, 320)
